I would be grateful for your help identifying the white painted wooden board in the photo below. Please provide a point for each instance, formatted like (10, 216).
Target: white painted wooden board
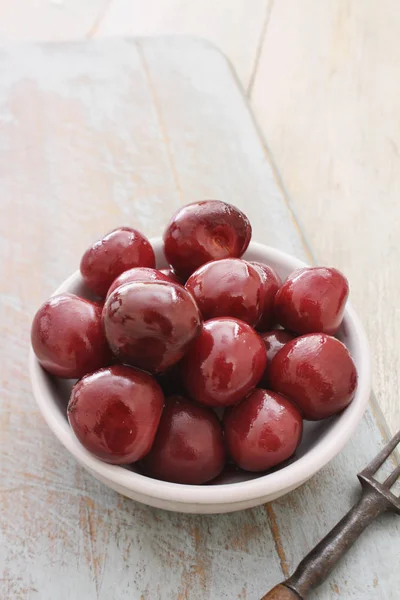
(45, 20)
(235, 26)
(94, 135)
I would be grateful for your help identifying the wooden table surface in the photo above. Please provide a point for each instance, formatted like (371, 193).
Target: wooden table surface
(95, 135)
(323, 80)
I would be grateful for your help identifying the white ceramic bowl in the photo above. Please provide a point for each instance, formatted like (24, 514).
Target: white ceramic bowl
(322, 440)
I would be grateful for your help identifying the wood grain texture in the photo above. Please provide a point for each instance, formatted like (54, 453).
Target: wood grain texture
(39, 20)
(123, 132)
(234, 26)
(332, 124)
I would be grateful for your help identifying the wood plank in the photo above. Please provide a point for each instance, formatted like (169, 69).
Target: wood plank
(45, 20)
(234, 26)
(120, 132)
(326, 97)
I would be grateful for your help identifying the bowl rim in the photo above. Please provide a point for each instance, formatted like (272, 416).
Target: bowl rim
(292, 475)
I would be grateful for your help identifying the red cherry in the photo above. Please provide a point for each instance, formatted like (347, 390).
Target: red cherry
(262, 431)
(224, 363)
(115, 413)
(229, 287)
(274, 340)
(137, 274)
(317, 372)
(150, 324)
(312, 300)
(118, 251)
(189, 446)
(272, 283)
(67, 336)
(204, 231)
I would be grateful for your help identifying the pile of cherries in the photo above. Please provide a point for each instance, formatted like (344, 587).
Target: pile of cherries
(209, 361)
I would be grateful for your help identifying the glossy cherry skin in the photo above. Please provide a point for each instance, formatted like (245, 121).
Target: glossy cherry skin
(230, 287)
(312, 300)
(262, 431)
(224, 363)
(150, 324)
(137, 274)
(118, 251)
(271, 284)
(172, 276)
(317, 372)
(274, 340)
(189, 446)
(67, 336)
(204, 231)
(115, 412)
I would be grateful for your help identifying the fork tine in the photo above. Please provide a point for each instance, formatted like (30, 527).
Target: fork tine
(382, 456)
(392, 478)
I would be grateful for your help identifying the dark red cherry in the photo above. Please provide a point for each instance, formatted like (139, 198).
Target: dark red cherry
(68, 338)
(262, 431)
(189, 446)
(317, 372)
(230, 287)
(272, 283)
(118, 251)
(204, 231)
(137, 274)
(150, 324)
(312, 300)
(224, 363)
(274, 340)
(115, 413)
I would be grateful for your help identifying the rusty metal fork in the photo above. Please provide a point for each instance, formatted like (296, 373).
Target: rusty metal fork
(375, 499)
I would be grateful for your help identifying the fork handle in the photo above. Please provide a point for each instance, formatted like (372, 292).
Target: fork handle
(281, 592)
(317, 565)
